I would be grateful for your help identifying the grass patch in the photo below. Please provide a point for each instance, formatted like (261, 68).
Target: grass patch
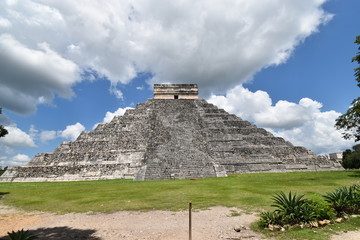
(322, 233)
(234, 213)
(246, 191)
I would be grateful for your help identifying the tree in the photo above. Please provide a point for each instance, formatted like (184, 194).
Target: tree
(3, 131)
(350, 121)
(351, 159)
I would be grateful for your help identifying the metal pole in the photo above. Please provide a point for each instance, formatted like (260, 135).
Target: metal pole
(190, 207)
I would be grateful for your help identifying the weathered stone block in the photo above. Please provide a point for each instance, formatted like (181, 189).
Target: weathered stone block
(170, 139)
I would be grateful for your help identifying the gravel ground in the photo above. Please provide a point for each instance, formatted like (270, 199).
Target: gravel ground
(354, 235)
(215, 223)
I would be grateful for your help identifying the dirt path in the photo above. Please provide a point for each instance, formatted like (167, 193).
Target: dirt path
(215, 223)
(12, 219)
(354, 235)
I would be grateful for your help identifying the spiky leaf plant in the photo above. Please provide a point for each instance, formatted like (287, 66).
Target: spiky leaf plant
(287, 204)
(345, 199)
(293, 208)
(21, 235)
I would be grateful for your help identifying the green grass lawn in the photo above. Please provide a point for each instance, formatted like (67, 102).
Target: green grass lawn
(250, 192)
(246, 191)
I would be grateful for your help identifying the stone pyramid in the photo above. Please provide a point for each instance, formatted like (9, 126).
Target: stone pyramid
(173, 136)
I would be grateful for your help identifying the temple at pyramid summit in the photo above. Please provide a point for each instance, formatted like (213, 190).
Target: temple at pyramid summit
(175, 135)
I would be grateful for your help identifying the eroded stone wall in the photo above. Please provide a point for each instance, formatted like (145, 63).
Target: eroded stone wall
(168, 139)
(176, 91)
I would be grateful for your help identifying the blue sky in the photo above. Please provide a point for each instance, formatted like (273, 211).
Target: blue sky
(68, 65)
(321, 67)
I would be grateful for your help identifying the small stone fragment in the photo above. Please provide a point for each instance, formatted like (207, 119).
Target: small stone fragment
(274, 227)
(314, 224)
(237, 229)
(324, 222)
(271, 227)
(338, 220)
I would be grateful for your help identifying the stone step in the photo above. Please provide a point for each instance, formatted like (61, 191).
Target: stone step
(169, 139)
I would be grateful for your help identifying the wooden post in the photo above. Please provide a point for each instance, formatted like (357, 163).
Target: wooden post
(190, 207)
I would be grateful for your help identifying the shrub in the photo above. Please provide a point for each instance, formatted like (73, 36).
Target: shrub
(307, 213)
(21, 235)
(287, 204)
(322, 209)
(293, 209)
(267, 218)
(345, 199)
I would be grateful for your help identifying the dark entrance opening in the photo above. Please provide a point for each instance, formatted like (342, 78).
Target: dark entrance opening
(176, 96)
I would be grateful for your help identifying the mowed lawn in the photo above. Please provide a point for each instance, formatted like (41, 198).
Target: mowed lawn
(247, 191)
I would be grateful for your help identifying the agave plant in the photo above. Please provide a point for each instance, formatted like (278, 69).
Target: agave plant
(345, 200)
(21, 235)
(292, 207)
(287, 204)
(354, 196)
(338, 198)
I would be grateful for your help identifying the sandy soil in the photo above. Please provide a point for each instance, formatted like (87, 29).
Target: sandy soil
(215, 223)
(354, 235)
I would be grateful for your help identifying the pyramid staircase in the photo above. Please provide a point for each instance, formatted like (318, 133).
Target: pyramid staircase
(170, 139)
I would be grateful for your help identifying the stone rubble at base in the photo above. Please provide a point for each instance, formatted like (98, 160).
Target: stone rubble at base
(164, 138)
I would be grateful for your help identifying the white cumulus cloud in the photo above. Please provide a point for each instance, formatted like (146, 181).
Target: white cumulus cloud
(72, 131)
(286, 114)
(32, 76)
(4, 23)
(217, 44)
(20, 159)
(242, 102)
(110, 115)
(303, 123)
(17, 138)
(16, 160)
(119, 112)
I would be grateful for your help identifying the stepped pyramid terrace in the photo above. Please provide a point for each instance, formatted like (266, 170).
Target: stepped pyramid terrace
(175, 135)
